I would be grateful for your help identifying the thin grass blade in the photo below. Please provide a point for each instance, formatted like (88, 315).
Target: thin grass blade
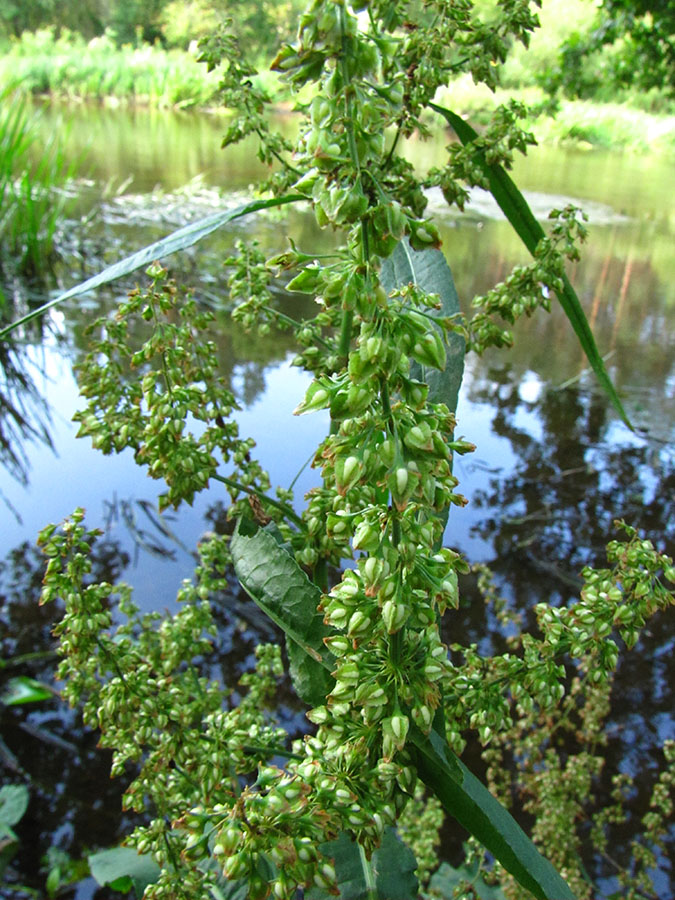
(178, 240)
(516, 209)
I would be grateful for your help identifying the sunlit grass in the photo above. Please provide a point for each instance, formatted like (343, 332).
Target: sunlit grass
(32, 187)
(617, 126)
(68, 67)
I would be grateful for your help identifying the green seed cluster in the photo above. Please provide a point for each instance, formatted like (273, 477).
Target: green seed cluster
(220, 810)
(551, 725)
(149, 398)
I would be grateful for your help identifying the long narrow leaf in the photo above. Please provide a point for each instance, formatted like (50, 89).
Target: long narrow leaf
(178, 240)
(474, 807)
(517, 211)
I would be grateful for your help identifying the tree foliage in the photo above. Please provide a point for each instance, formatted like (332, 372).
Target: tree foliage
(260, 23)
(631, 44)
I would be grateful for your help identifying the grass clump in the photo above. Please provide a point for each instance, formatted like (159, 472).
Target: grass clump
(32, 188)
(69, 67)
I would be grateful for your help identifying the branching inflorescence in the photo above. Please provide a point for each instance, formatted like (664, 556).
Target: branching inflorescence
(383, 347)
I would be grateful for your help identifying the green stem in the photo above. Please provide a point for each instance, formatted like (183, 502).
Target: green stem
(343, 349)
(368, 875)
(289, 320)
(287, 510)
(389, 156)
(345, 334)
(397, 639)
(271, 751)
(349, 124)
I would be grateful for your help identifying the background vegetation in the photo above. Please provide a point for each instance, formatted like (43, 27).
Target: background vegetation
(618, 51)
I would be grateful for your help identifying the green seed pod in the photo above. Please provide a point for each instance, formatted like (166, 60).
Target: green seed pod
(348, 672)
(348, 472)
(237, 866)
(423, 235)
(316, 397)
(370, 694)
(419, 438)
(394, 615)
(373, 569)
(338, 644)
(394, 734)
(366, 537)
(285, 60)
(423, 718)
(359, 624)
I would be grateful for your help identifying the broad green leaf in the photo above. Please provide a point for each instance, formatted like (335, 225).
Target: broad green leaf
(444, 881)
(178, 240)
(474, 807)
(122, 869)
(429, 270)
(23, 689)
(274, 580)
(517, 211)
(13, 804)
(388, 875)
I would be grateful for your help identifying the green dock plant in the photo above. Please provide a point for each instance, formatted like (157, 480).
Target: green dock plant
(234, 808)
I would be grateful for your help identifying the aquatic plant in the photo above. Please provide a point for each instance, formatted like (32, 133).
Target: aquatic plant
(32, 187)
(232, 807)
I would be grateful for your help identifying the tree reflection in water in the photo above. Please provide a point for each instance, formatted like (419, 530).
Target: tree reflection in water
(574, 474)
(24, 413)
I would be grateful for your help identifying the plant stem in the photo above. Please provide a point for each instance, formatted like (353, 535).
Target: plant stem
(287, 510)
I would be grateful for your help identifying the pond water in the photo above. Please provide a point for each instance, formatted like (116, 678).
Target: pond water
(553, 468)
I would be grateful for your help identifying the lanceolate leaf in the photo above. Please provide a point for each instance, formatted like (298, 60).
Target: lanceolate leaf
(388, 875)
(123, 869)
(275, 581)
(178, 240)
(429, 270)
(474, 807)
(23, 689)
(517, 211)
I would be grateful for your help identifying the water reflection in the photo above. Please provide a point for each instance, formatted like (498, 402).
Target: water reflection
(553, 467)
(577, 473)
(559, 472)
(24, 413)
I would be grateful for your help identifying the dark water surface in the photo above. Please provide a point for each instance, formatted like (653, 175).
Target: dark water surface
(554, 465)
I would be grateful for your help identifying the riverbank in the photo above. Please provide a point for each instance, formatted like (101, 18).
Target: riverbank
(587, 124)
(70, 69)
